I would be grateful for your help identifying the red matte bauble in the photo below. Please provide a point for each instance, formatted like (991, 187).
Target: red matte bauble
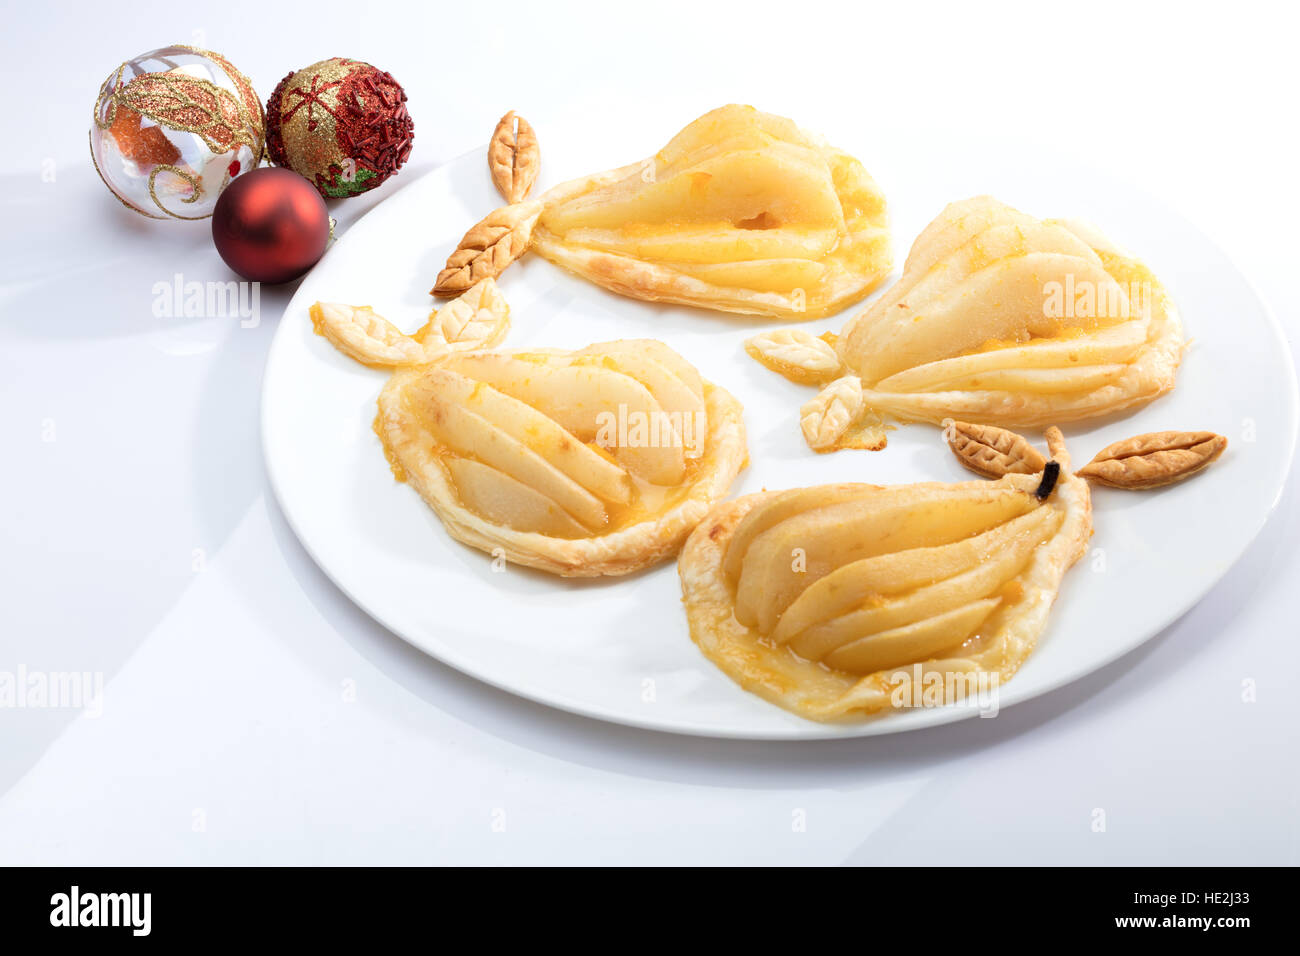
(270, 225)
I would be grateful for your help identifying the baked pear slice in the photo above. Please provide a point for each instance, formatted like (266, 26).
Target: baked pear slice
(573, 462)
(1004, 319)
(827, 601)
(741, 212)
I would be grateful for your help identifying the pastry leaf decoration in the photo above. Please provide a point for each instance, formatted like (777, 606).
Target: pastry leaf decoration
(798, 355)
(827, 417)
(991, 451)
(513, 157)
(1154, 459)
(490, 245)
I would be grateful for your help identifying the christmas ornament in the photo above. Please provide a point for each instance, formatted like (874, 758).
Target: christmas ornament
(172, 128)
(341, 123)
(270, 225)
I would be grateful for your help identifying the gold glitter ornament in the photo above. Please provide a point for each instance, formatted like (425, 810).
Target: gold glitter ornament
(172, 128)
(342, 124)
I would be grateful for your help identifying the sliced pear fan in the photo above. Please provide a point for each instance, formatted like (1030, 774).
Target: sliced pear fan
(440, 401)
(1011, 320)
(580, 396)
(873, 614)
(784, 560)
(1002, 318)
(574, 462)
(816, 598)
(742, 211)
(861, 591)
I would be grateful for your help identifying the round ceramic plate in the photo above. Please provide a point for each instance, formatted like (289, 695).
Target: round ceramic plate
(618, 649)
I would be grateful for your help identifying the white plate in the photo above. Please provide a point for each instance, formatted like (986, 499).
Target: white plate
(618, 649)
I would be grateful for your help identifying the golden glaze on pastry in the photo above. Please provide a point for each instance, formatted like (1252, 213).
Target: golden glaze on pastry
(827, 600)
(742, 211)
(1001, 318)
(586, 463)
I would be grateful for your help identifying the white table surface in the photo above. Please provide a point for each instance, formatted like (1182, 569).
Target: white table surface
(252, 715)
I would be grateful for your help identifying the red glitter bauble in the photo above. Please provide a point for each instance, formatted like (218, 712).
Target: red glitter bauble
(341, 123)
(270, 225)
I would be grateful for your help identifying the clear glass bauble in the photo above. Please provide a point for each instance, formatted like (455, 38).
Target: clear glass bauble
(172, 128)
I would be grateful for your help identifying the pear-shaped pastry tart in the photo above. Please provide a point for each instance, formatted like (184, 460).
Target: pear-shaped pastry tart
(825, 599)
(1006, 319)
(742, 211)
(593, 462)
(839, 601)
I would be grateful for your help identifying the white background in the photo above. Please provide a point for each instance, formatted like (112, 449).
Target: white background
(251, 714)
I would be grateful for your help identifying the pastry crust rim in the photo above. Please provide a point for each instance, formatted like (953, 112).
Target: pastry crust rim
(652, 282)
